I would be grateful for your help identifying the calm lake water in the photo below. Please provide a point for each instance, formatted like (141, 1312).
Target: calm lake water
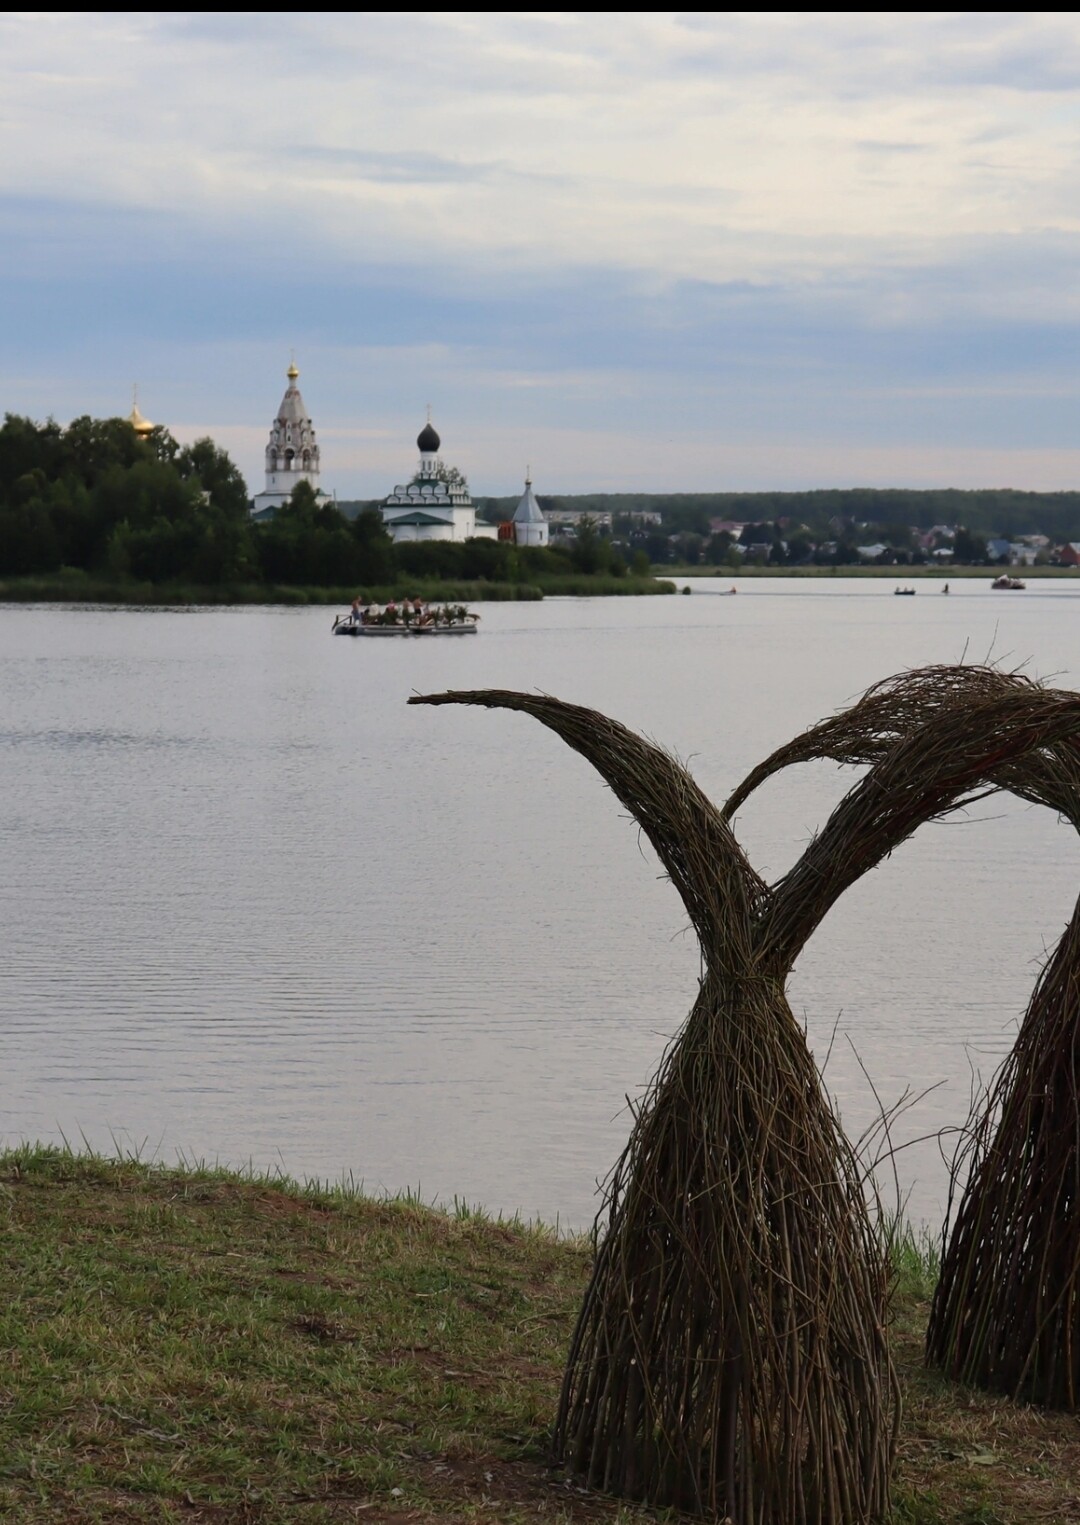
(255, 908)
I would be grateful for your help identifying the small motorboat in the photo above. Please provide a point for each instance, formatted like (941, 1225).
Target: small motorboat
(1007, 584)
(904, 592)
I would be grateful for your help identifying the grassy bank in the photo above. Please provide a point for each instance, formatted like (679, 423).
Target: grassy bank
(192, 1345)
(80, 587)
(905, 574)
(577, 585)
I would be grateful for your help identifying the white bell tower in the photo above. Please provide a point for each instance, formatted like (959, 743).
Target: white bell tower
(292, 454)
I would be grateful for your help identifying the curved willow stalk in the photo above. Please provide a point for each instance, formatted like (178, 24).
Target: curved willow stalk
(730, 1355)
(1006, 1312)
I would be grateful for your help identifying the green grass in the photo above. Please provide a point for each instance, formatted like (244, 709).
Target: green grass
(82, 588)
(189, 1344)
(578, 585)
(72, 586)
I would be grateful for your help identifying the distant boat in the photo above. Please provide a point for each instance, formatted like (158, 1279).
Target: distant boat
(399, 632)
(452, 619)
(1008, 584)
(904, 592)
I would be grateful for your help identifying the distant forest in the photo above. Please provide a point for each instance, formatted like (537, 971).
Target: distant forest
(989, 511)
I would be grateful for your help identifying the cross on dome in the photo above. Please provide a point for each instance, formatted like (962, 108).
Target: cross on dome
(428, 441)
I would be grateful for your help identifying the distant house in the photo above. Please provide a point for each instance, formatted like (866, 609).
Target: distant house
(928, 539)
(726, 527)
(1018, 553)
(1069, 555)
(601, 518)
(871, 552)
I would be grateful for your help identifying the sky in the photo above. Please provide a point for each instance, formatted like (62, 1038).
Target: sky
(639, 252)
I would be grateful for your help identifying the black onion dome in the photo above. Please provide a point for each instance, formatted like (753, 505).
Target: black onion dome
(427, 441)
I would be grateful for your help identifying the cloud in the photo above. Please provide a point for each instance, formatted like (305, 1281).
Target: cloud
(657, 144)
(714, 228)
(407, 168)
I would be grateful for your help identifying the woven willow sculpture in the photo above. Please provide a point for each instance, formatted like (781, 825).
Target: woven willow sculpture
(730, 1355)
(1006, 1312)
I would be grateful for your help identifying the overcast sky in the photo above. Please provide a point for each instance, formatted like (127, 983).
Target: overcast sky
(645, 251)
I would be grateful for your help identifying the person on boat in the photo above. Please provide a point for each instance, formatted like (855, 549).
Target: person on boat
(357, 612)
(945, 589)
(390, 613)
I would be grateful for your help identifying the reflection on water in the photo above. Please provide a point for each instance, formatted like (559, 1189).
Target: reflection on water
(257, 908)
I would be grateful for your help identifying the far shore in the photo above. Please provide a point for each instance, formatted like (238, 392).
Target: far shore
(904, 574)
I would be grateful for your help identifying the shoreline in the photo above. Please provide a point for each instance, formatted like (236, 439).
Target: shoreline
(85, 589)
(903, 574)
(187, 1342)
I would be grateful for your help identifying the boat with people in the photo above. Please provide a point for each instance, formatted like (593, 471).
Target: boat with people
(410, 618)
(1008, 584)
(904, 592)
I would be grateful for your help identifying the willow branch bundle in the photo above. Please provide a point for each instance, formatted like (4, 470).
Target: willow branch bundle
(1006, 1312)
(730, 1355)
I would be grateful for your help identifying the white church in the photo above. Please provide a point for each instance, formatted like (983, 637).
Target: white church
(430, 507)
(292, 454)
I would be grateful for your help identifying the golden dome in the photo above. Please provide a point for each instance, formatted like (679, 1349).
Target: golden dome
(292, 372)
(141, 425)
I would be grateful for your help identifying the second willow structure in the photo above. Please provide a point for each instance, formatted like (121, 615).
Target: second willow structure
(730, 1356)
(1006, 1311)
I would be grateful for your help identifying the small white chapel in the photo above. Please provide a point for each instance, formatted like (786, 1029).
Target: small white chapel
(530, 525)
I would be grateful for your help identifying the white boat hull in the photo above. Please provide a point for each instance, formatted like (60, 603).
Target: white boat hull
(397, 632)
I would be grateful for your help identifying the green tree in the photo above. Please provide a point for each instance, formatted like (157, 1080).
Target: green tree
(375, 547)
(216, 474)
(589, 552)
(451, 475)
(969, 548)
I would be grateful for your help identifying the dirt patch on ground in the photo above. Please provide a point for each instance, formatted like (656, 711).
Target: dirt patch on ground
(502, 1486)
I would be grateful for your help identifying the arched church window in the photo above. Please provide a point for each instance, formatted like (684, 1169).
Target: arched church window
(307, 459)
(289, 457)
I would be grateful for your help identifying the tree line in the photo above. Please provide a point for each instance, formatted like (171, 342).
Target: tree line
(98, 497)
(986, 512)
